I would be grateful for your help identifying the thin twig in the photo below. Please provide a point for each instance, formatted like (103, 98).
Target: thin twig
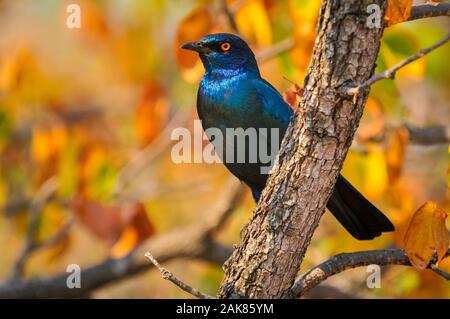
(149, 154)
(43, 195)
(275, 50)
(390, 73)
(229, 14)
(57, 237)
(426, 136)
(429, 135)
(429, 11)
(440, 272)
(417, 12)
(171, 277)
(235, 6)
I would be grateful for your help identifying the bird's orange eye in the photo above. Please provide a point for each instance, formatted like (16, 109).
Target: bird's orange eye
(225, 46)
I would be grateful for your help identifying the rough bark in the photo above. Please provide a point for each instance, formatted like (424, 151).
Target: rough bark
(275, 239)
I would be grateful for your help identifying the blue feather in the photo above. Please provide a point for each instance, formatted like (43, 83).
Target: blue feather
(232, 94)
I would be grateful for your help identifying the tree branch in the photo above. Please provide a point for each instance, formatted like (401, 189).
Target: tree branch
(342, 262)
(229, 14)
(440, 272)
(43, 195)
(390, 73)
(417, 12)
(429, 135)
(171, 277)
(429, 11)
(194, 241)
(275, 50)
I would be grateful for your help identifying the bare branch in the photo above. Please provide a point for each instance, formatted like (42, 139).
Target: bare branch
(429, 11)
(15, 206)
(429, 135)
(329, 292)
(342, 262)
(440, 272)
(390, 73)
(149, 154)
(229, 14)
(275, 50)
(194, 242)
(417, 12)
(57, 237)
(166, 274)
(43, 195)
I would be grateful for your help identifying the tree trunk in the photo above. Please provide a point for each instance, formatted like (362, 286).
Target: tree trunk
(275, 239)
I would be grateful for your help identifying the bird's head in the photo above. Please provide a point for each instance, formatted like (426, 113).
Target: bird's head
(224, 52)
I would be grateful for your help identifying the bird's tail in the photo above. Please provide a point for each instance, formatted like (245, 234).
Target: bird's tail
(359, 216)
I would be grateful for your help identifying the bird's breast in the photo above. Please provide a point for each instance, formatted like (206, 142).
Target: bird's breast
(224, 102)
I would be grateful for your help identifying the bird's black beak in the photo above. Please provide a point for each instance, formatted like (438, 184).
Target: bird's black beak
(196, 46)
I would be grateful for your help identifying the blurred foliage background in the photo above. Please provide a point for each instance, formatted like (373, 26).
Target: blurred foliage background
(86, 116)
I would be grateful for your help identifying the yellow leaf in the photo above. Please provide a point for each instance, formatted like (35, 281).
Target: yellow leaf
(415, 70)
(426, 235)
(52, 219)
(3, 190)
(395, 153)
(94, 158)
(376, 179)
(304, 15)
(448, 175)
(253, 22)
(398, 11)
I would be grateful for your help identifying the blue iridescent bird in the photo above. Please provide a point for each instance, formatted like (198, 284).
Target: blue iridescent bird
(232, 94)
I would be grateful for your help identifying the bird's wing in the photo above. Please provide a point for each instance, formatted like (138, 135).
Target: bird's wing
(272, 101)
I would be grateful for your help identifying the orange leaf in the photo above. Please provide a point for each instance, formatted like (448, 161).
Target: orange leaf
(103, 221)
(194, 26)
(290, 95)
(124, 227)
(127, 241)
(47, 142)
(426, 235)
(15, 65)
(395, 153)
(152, 112)
(136, 232)
(398, 11)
